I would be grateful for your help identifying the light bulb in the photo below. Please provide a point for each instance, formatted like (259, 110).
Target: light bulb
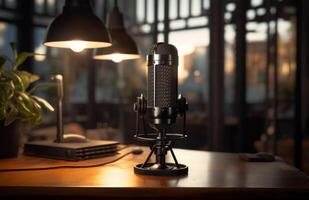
(116, 57)
(77, 45)
(39, 54)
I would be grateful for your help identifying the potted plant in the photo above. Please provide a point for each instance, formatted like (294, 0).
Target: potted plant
(18, 104)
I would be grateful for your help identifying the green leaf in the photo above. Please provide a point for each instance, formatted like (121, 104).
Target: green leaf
(23, 108)
(37, 105)
(27, 78)
(7, 90)
(17, 81)
(24, 95)
(29, 110)
(11, 89)
(44, 102)
(20, 59)
(36, 116)
(41, 86)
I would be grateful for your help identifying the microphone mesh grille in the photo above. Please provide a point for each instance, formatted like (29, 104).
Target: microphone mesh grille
(164, 89)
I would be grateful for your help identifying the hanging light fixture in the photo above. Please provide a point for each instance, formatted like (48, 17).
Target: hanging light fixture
(123, 46)
(77, 28)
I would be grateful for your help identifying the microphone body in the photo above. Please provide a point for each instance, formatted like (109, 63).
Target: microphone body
(162, 84)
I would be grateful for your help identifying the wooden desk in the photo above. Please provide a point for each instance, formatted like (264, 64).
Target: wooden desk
(211, 176)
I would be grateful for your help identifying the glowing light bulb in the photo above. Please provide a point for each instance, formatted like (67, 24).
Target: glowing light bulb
(39, 54)
(77, 45)
(116, 57)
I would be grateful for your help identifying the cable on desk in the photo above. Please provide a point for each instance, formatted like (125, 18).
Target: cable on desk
(134, 151)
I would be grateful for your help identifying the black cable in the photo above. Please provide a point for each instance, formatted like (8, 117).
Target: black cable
(134, 151)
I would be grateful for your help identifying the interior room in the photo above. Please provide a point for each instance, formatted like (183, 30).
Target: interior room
(154, 99)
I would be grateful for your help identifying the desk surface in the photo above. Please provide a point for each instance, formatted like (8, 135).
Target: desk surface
(209, 174)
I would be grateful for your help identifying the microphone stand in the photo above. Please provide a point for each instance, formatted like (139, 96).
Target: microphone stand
(163, 142)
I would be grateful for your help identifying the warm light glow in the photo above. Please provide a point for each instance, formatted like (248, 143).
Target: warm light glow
(285, 69)
(39, 57)
(77, 45)
(197, 73)
(183, 50)
(229, 67)
(182, 72)
(40, 53)
(116, 57)
(3, 26)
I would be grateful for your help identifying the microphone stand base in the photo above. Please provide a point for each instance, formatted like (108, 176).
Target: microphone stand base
(154, 169)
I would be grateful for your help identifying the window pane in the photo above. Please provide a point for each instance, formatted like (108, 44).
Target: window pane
(196, 7)
(256, 63)
(39, 6)
(229, 70)
(150, 11)
(7, 35)
(184, 8)
(173, 9)
(161, 10)
(140, 10)
(51, 7)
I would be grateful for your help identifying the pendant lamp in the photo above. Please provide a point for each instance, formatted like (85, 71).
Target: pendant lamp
(123, 46)
(77, 28)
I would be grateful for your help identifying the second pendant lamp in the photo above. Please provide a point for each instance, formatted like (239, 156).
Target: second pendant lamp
(123, 46)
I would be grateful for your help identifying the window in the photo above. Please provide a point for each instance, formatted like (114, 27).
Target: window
(7, 35)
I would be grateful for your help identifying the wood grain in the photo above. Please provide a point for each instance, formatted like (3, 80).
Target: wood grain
(210, 173)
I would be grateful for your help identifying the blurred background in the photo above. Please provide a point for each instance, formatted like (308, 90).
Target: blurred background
(242, 68)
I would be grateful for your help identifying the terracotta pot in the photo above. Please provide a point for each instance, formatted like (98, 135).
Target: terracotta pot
(9, 140)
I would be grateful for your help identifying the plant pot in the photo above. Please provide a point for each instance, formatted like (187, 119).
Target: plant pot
(9, 140)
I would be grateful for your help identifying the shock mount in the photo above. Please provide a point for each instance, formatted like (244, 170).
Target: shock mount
(160, 120)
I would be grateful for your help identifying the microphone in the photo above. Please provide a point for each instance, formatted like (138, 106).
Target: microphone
(160, 110)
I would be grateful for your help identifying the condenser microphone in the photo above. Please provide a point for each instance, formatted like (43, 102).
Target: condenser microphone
(162, 84)
(160, 110)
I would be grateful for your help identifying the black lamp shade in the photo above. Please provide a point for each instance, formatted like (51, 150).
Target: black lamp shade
(78, 24)
(123, 46)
